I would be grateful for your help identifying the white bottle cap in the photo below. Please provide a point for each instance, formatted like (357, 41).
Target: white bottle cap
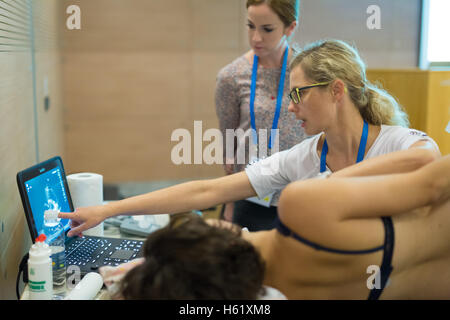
(40, 251)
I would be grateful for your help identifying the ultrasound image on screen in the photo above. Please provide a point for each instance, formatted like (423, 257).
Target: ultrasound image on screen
(45, 192)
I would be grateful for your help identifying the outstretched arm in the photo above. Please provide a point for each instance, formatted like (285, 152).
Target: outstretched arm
(179, 198)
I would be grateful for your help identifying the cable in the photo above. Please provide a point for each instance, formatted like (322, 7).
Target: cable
(22, 268)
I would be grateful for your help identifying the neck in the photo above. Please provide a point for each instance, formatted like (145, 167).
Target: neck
(275, 59)
(264, 242)
(343, 138)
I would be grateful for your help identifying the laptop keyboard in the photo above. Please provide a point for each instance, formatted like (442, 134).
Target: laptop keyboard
(101, 252)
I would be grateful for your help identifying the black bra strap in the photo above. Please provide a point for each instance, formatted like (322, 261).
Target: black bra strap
(386, 266)
(285, 231)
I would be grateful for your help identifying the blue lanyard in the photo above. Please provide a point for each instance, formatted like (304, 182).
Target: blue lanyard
(361, 150)
(279, 97)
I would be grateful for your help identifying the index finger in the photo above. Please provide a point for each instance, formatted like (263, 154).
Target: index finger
(66, 215)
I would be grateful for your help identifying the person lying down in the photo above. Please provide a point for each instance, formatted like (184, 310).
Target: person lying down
(340, 237)
(219, 253)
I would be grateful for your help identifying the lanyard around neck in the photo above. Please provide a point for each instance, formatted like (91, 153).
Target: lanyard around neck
(279, 97)
(361, 150)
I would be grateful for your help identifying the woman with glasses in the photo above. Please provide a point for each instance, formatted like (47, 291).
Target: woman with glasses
(351, 121)
(344, 237)
(251, 93)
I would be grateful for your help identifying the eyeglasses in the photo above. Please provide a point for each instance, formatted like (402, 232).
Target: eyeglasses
(296, 94)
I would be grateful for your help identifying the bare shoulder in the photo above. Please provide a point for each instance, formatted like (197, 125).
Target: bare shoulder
(309, 209)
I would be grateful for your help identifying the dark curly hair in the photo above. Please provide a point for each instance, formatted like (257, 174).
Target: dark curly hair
(190, 259)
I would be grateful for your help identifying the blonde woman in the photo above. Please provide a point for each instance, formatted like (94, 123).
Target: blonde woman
(330, 94)
(350, 118)
(252, 93)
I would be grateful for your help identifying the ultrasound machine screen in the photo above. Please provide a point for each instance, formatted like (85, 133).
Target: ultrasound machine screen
(47, 192)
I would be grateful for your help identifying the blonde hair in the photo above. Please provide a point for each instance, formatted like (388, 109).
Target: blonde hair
(286, 10)
(328, 60)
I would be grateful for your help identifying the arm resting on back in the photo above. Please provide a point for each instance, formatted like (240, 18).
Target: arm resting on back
(418, 155)
(342, 198)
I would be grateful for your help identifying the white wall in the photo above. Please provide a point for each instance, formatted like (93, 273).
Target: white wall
(395, 45)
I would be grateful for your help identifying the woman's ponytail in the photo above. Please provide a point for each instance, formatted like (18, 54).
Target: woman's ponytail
(382, 108)
(328, 60)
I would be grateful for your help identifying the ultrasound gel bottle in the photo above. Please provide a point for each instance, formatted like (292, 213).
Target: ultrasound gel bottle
(40, 275)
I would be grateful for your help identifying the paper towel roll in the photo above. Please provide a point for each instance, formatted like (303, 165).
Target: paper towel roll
(86, 190)
(87, 288)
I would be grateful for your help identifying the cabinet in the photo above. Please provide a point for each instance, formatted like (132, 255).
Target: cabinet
(425, 95)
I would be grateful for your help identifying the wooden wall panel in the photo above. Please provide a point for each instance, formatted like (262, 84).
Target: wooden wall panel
(409, 88)
(122, 25)
(205, 68)
(100, 84)
(439, 109)
(216, 25)
(135, 146)
(127, 86)
(425, 95)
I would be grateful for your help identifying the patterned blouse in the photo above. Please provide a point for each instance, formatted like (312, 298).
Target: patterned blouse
(232, 106)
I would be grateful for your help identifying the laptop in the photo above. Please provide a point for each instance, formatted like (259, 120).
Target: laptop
(44, 186)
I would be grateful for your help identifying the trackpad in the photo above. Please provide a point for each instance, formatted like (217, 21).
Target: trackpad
(122, 254)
